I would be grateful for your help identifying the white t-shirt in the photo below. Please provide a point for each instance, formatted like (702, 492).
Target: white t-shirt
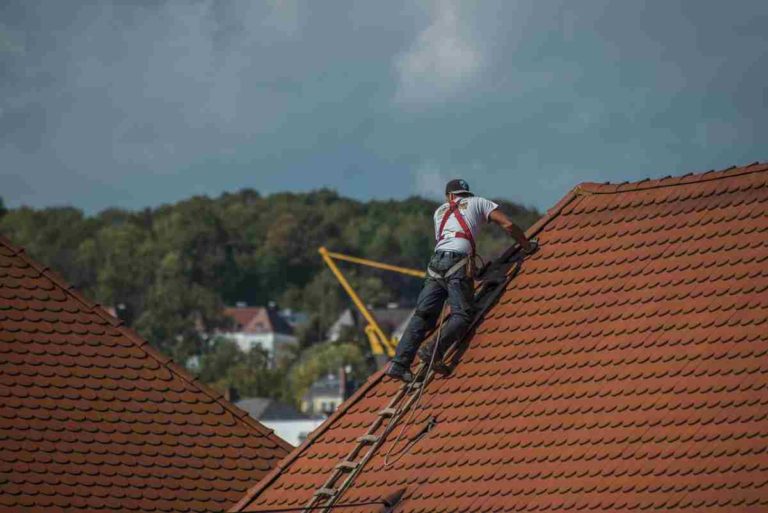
(475, 211)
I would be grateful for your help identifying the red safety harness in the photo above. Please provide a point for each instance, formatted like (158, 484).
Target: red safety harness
(465, 233)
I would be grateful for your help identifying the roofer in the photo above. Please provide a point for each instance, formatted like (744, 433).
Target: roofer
(449, 275)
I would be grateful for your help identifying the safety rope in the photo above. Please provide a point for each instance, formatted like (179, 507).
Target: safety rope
(415, 406)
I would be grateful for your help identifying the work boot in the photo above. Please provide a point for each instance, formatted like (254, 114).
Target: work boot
(425, 354)
(397, 371)
(438, 365)
(441, 367)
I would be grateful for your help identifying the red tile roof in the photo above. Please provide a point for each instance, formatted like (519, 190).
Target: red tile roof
(625, 368)
(257, 319)
(92, 418)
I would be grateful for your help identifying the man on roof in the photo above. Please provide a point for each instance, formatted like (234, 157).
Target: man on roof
(449, 276)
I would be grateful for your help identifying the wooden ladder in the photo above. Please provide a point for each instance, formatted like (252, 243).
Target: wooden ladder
(386, 419)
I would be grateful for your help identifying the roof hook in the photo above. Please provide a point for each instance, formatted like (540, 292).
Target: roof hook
(393, 499)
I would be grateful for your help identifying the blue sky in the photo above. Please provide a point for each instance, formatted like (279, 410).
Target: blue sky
(137, 105)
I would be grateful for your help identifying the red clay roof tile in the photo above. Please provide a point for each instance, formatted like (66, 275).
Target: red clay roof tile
(623, 368)
(92, 418)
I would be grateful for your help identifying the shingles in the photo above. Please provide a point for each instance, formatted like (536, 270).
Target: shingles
(623, 369)
(92, 418)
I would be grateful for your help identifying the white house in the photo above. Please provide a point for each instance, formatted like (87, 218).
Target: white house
(259, 326)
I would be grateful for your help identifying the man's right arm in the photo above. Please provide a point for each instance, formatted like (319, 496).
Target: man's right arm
(498, 217)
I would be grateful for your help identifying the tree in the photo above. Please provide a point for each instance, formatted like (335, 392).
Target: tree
(53, 236)
(123, 260)
(322, 359)
(226, 366)
(215, 364)
(178, 314)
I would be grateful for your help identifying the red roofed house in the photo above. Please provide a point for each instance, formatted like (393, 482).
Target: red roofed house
(260, 326)
(92, 418)
(623, 368)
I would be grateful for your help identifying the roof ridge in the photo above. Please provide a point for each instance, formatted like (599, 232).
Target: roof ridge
(259, 487)
(142, 344)
(672, 181)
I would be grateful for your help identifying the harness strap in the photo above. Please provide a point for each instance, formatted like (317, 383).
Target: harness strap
(451, 270)
(466, 233)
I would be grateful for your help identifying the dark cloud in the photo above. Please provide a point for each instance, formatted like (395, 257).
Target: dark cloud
(142, 103)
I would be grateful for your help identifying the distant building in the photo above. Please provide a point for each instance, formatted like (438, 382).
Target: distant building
(269, 409)
(327, 393)
(392, 320)
(287, 422)
(260, 326)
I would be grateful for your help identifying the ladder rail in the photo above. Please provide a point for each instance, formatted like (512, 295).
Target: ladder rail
(368, 456)
(372, 429)
(403, 392)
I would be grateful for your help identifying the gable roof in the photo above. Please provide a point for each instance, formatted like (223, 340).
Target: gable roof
(265, 408)
(93, 418)
(257, 319)
(622, 369)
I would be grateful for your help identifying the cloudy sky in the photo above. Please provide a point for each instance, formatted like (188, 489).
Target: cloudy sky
(135, 105)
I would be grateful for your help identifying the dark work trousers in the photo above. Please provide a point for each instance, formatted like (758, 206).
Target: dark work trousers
(458, 289)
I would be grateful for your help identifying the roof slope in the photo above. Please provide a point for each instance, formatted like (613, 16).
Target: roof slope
(624, 368)
(92, 418)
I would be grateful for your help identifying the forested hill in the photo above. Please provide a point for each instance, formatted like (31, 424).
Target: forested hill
(176, 265)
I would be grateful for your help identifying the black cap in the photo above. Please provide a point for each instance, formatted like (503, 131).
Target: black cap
(457, 186)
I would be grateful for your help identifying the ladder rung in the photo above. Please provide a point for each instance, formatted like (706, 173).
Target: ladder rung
(412, 386)
(347, 465)
(368, 439)
(325, 492)
(387, 412)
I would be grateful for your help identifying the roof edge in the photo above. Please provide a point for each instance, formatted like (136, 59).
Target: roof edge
(672, 181)
(145, 346)
(267, 480)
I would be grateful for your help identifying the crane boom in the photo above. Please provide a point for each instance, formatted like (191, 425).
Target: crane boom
(381, 344)
(377, 265)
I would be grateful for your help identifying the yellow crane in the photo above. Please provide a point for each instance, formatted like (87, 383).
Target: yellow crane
(381, 344)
